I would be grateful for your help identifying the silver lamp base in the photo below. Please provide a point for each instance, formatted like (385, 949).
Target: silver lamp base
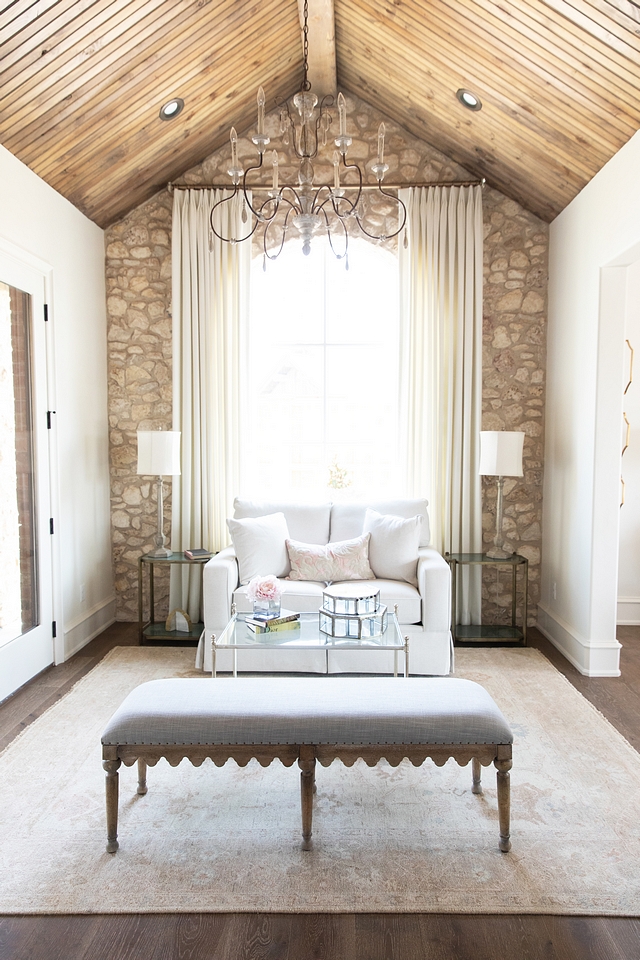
(497, 551)
(160, 550)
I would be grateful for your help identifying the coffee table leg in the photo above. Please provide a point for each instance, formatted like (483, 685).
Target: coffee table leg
(307, 764)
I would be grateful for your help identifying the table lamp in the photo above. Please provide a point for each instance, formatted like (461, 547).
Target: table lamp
(500, 456)
(158, 455)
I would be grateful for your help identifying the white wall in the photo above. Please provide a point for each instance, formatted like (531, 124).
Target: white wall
(591, 244)
(36, 219)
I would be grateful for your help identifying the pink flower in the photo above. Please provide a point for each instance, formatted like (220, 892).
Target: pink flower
(264, 588)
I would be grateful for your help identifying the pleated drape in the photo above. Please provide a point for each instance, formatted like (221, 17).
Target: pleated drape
(441, 369)
(210, 304)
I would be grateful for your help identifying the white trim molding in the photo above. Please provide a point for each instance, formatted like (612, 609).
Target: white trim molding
(84, 628)
(628, 611)
(593, 658)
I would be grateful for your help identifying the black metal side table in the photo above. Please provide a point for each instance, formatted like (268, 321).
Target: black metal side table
(482, 633)
(155, 629)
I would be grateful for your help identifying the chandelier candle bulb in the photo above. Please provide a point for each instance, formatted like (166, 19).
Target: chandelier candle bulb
(381, 132)
(261, 102)
(342, 110)
(233, 136)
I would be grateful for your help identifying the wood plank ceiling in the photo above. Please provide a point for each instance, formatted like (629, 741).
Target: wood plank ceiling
(82, 81)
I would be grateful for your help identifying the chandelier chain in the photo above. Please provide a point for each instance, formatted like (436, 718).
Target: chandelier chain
(305, 47)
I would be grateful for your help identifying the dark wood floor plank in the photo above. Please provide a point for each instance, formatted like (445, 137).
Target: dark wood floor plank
(322, 936)
(388, 936)
(188, 936)
(586, 938)
(46, 938)
(255, 936)
(123, 937)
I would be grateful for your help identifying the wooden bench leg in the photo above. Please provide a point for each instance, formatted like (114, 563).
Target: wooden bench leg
(307, 764)
(111, 791)
(504, 802)
(476, 775)
(142, 776)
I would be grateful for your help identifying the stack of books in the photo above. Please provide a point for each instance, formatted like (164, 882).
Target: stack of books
(288, 620)
(197, 554)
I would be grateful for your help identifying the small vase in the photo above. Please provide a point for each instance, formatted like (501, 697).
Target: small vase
(266, 609)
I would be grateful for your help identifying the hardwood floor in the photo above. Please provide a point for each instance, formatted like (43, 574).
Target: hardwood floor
(322, 936)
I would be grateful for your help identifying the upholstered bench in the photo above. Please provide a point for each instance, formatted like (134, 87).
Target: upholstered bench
(308, 719)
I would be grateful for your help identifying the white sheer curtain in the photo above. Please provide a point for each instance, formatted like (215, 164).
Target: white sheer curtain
(441, 369)
(210, 301)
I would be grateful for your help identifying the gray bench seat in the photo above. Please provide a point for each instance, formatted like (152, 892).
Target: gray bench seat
(307, 720)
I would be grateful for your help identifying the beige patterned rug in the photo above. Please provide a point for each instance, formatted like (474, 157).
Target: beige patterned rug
(404, 839)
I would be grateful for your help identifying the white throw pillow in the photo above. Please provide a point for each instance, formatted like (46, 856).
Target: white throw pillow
(260, 546)
(393, 548)
(343, 560)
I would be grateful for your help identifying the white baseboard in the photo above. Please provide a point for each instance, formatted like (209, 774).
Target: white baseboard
(593, 658)
(628, 614)
(84, 628)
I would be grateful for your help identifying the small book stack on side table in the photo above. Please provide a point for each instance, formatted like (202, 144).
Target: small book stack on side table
(156, 629)
(481, 633)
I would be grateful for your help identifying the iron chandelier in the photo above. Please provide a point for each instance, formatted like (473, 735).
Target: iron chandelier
(306, 207)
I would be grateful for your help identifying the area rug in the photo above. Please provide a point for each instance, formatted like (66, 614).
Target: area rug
(386, 839)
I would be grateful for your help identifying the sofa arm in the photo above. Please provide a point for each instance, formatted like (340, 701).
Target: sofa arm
(434, 584)
(219, 580)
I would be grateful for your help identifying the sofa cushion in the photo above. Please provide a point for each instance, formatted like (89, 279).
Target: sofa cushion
(259, 544)
(393, 548)
(299, 595)
(308, 522)
(394, 592)
(344, 560)
(347, 519)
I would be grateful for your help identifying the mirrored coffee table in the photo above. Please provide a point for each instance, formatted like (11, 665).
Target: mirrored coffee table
(307, 636)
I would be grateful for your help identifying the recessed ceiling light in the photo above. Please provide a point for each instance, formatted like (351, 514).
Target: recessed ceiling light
(469, 100)
(171, 108)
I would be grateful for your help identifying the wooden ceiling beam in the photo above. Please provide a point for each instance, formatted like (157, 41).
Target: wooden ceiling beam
(322, 46)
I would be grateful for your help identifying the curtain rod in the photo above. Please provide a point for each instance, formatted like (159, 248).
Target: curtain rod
(354, 186)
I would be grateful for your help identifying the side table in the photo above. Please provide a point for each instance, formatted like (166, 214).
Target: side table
(479, 633)
(155, 629)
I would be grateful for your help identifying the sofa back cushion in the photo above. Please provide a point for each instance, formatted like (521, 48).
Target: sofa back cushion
(308, 522)
(347, 519)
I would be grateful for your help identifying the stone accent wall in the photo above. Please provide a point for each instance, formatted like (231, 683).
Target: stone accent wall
(139, 312)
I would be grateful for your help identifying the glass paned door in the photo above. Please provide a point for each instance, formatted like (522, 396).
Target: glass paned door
(18, 529)
(26, 569)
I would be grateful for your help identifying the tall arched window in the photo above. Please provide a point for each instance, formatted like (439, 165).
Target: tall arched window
(321, 392)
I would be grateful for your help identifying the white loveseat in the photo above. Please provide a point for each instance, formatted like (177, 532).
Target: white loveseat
(423, 611)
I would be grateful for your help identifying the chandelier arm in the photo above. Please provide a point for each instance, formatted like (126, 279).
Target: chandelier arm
(338, 256)
(353, 166)
(296, 203)
(385, 236)
(249, 170)
(219, 203)
(284, 236)
(332, 198)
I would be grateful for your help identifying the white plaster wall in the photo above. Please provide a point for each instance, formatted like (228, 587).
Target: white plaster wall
(591, 243)
(35, 218)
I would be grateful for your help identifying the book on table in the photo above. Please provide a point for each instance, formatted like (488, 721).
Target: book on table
(288, 620)
(197, 554)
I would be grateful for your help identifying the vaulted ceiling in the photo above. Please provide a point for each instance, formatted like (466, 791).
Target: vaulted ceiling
(82, 82)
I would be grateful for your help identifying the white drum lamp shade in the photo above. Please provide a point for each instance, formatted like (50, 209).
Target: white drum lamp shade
(159, 453)
(501, 453)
